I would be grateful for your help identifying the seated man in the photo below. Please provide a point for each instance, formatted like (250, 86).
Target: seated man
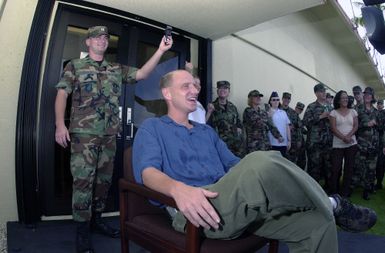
(263, 193)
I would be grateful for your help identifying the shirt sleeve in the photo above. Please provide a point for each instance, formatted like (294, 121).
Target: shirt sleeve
(129, 74)
(146, 152)
(68, 78)
(333, 113)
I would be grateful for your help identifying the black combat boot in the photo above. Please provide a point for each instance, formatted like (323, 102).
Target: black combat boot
(365, 194)
(99, 225)
(83, 238)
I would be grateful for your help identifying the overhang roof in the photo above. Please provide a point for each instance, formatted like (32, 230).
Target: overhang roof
(344, 36)
(210, 19)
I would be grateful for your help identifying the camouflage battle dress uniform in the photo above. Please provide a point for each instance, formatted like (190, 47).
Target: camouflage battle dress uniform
(297, 140)
(257, 124)
(368, 142)
(225, 120)
(95, 121)
(318, 142)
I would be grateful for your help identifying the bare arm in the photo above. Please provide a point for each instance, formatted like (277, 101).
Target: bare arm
(191, 201)
(150, 65)
(61, 133)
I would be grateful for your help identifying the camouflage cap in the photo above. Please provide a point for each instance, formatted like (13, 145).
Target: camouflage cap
(223, 84)
(286, 95)
(300, 105)
(96, 31)
(380, 102)
(357, 88)
(319, 87)
(254, 93)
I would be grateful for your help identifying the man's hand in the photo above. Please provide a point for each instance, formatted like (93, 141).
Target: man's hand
(372, 123)
(210, 108)
(189, 67)
(324, 115)
(62, 136)
(193, 203)
(165, 43)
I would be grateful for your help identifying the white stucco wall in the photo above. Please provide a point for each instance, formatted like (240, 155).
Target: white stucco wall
(292, 38)
(15, 24)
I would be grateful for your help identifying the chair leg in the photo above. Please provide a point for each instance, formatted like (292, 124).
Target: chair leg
(273, 246)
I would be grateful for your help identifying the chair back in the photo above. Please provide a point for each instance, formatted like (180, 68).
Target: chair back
(138, 205)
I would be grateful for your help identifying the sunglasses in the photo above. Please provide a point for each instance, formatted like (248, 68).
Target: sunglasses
(275, 99)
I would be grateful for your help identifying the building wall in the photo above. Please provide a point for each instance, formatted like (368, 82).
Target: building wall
(14, 29)
(298, 39)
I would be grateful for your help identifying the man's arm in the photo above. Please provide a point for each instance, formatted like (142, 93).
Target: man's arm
(61, 133)
(191, 201)
(150, 65)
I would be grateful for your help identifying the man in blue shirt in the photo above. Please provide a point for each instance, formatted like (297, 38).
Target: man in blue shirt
(263, 192)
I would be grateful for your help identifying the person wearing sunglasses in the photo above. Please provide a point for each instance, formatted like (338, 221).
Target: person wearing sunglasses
(282, 122)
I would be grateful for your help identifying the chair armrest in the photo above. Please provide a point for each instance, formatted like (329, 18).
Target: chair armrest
(125, 185)
(192, 232)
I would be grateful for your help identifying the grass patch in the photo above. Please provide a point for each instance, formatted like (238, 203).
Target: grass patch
(377, 202)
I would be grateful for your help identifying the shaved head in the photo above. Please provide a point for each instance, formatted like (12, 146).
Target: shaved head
(167, 79)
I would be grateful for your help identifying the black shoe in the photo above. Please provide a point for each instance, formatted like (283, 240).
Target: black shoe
(83, 238)
(99, 225)
(378, 187)
(365, 195)
(351, 217)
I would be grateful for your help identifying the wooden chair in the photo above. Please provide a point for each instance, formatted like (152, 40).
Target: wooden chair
(150, 226)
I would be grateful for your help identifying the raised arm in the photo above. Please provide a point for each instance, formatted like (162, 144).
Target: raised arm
(149, 66)
(191, 201)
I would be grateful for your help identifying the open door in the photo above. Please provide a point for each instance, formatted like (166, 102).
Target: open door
(130, 44)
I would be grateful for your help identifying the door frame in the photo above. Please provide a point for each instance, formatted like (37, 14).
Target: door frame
(28, 190)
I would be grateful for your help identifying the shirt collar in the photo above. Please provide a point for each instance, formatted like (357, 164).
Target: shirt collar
(168, 120)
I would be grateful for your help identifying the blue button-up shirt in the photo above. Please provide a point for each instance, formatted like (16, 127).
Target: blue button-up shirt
(195, 156)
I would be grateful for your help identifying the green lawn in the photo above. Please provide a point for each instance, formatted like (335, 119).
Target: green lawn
(377, 202)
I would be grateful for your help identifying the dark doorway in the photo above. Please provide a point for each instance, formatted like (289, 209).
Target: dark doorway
(131, 43)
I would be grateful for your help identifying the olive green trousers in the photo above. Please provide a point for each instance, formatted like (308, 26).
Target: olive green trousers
(274, 198)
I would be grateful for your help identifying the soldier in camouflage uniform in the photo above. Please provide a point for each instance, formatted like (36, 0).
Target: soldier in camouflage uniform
(381, 157)
(358, 96)
(95, 85)
(295, 129)
(257, 124)
(224, 118)
(319, 136)
(368, 142)
(301, 155)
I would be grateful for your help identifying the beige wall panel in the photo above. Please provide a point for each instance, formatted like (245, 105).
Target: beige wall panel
(15, 25)
(296, 39)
